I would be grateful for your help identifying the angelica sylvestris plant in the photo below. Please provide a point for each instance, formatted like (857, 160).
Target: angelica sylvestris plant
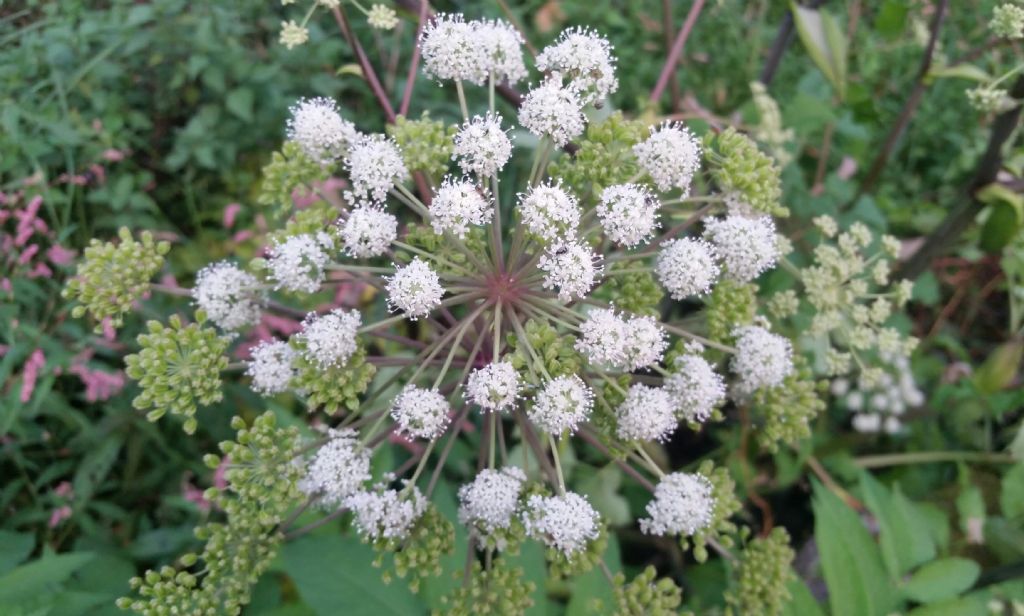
(531, 315)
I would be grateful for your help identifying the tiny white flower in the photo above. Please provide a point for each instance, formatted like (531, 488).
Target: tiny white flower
(381, 513)
(420, 413)
(319, 129)
(686, 267)
(762, 359)
(338, 469)
(570, 268)
(491, 501)
(695, 387)
(368, 232)
(495, 387)
(567, 523)
(414, 289)
(549, 110)
(671, 156)
(584, 58)
(482, 146)
(297, 264)
(374, 165)
(645, 342)
(603, 338)
(458, 205)
(549, 211)
(867, 423)
(683, 504)
(562, 404)
(451, 50)
(746, 246)
(228, 295)
(501, 50)
(628, 213)
(330, 339)
(647, 414)
(271, 367)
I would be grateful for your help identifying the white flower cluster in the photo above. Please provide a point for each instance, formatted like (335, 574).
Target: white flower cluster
(695, 387)
(320, 131)
(420, 413)
(683, 504)
(458, 205)
(583, 59)
(482, 146)
(454, 49)
(228, 295)
(567, 523)
(549, 211)
(553, 111)
(647, 414)
(368, 232)
(564, 402)
(338, 469)
(329, 339)
(762, 359)
(491, 502)
(686, 267)
(570, 268)
(415, 289)
(748, 247)
(297, 264)
(381, 513)
(374, 164)
(629, 213)
(271, 367)
(671, 156)
(495, 387)
(878, 405)
(611, 340)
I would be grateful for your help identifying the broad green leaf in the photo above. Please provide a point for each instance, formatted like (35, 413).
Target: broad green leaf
(332, 575)
(1000, 368)
(962, 71)
(603, 489)
(803, 602)
(591, 592)
(942, 579)
(435, 588)
(41, 576)
(825, 43)
(970, 507)
(850, 560)
(1011, 497)
(14, 549)
(240, 103)
(1002, 222)
(891, 18)
(1017, 446)
(904, 540)
(966, 606)
(535, 569)
(95, 467)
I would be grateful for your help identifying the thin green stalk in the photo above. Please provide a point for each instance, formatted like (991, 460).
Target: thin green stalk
(558, 464)
(929, 457)
(419, 467)
(650, 463)
(463, 328)
(529, 347)
(462, 100)
(434, 257)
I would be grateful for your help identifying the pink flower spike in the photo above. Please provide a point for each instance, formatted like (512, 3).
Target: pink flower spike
(30, 373)
(230, 212)
(58, 255)
(113, 155)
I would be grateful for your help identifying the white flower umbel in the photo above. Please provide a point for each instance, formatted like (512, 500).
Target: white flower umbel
(603, 338)
(567, 523)
(495, 387)
(386, 514)
(686, 267)
(549, 211)
(746, 246)
(374, 165)
(228, 295)
(683, 504)
(420, 413)
(695, 387)
(762, 359)
(337, 470)
(414, 289)
(570, 268)
(297, 264)
(647, 414)
(482, 146)
(452, 50)
(368, 232)
(645, 342)
(501, 50)
(320, 131)
(585, 59)
(491, 501)
(458, 205)
(671, 156)
(330, 339)
(562, 404)
(549, 110)
(271, 367)
(628, 213)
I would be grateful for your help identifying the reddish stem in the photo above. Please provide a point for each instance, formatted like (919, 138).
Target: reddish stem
(677, 50)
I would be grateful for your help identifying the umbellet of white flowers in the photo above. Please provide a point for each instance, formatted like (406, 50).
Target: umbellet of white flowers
(683, 504)
(230, 296)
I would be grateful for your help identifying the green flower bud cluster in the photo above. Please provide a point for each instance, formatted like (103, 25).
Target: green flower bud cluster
(787, 410)
(721, 528)
(1008, 21)
(423, 237)
(769, 130)
(762, 576)
(427, 145)
(636, 292)
(113, 276)
(646, 595)
(603, 420)
(288, 170)
(262, 488)
(561, 566)
(178, 367)
(557, 352)
(499, 590)
(418, 555)
(332, 388)
(730, 305)
(783, 304)
(744, 173)
(989, 99)
(319, 216)
(605, 156)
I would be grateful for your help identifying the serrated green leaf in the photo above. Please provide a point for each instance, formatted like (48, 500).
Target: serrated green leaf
(803, 602)
(825, 43)
(962, 71)
(240, 103)
(591, 592)
(14, 549)
(942, 579)
(1011, 497)
(905, 542)
(39, 577)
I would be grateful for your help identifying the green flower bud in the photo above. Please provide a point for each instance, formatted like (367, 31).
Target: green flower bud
(646, 595)
(498, 590)
(744, 173)
(762, 577)
(427, 145)
(288, 171)
(787, 410)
